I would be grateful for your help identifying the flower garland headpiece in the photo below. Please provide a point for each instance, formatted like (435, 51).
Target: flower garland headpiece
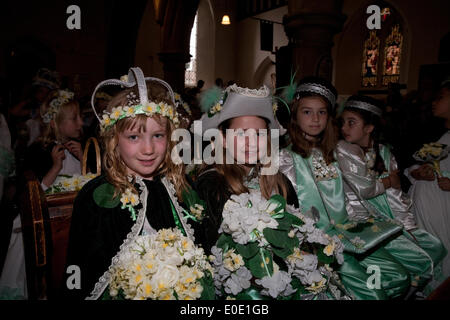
(136, 105)
(62, 97)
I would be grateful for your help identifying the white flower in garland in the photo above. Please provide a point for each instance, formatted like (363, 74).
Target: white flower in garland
(129, 201)
(151, 108)
(63, 97)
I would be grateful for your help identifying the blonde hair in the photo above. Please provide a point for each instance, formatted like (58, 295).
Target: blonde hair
(51, 133)
(115, 167)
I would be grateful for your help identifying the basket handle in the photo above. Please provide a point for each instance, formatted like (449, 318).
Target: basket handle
(97, 156)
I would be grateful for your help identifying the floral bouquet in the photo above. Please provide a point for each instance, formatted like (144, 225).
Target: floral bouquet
(66, 183)
(161, 266)
(433, 153)
(269, 250)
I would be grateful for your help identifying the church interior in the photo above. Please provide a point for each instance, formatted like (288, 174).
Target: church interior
(397, 51)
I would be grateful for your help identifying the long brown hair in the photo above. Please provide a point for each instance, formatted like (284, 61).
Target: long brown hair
(114, 166)
(327, 140)
(234, 174)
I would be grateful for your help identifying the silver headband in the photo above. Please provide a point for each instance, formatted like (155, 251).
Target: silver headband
(319, 89)
(364, 106)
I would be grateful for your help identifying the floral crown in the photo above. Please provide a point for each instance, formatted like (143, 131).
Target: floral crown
(136, 105)
(62, 97)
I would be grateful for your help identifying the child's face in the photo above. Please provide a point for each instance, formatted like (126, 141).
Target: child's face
(312, 116)
(441, 105)
(143, 149)
(71, 126)
(354, 129)
(248, 140)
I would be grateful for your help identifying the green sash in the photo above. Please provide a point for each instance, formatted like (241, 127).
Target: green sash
(328, 197)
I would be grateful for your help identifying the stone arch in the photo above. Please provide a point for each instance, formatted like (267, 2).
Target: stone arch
(263, 73)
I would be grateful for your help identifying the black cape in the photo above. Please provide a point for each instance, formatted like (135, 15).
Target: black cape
(96, 233)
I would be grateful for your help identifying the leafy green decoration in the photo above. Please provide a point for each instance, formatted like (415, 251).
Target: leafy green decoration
(248, 250)
(261, 264)
(207, 283)
(104, 196)
(279, 238)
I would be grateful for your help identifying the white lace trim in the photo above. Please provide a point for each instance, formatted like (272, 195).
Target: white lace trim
(104, 280)
(261, 92)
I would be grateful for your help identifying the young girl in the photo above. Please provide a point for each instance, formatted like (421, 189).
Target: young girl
(371, 180)
(138, 192)
(430, 192)
(241, 117)
(311, 167)
(58, 150)
(54, 153)
(244, 110)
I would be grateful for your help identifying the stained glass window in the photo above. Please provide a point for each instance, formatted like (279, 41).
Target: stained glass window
(392, 56)
(382, 49)
(371, 53)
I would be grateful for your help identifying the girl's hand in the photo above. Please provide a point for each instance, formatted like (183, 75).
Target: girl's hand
(395, 180)
(58, 156)
(424, 172)
(444, 183)
(74, 148)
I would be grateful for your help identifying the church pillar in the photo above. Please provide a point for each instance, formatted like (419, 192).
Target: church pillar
(310, 27)
(176, 18)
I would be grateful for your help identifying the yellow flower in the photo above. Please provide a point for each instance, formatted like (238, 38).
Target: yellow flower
(115, 113)
(148, 109)
(329, 249)
(274, 107)
(106, 121)
(129, 111)
(317, 286)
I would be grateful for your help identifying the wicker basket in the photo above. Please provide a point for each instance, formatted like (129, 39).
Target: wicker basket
(60, 207)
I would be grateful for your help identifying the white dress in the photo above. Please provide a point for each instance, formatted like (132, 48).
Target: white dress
(13, 281)
(431, 205)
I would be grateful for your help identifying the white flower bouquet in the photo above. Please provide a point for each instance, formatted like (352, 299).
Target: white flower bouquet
(162, 266)
(432, 153)
(66, 183)
(269, 250)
